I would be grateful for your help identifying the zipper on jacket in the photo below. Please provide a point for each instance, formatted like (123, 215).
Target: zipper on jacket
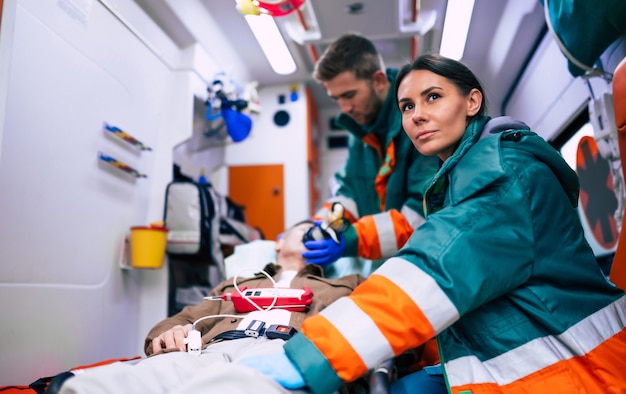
(443, 369)
(515, 136)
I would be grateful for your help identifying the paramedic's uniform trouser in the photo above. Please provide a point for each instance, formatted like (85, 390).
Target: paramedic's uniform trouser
(179, 372)
(429, 380)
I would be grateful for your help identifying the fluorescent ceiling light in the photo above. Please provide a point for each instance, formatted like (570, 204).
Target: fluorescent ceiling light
(272, 43)
(455, 28)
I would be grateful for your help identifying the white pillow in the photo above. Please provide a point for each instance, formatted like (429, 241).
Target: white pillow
(249, 258)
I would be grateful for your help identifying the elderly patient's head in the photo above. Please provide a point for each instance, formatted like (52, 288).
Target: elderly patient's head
(289, 247)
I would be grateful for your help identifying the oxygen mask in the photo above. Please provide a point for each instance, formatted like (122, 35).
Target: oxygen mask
(332, 230)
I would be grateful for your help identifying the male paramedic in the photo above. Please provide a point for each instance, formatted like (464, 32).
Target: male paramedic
(226, 334)
(382, 182)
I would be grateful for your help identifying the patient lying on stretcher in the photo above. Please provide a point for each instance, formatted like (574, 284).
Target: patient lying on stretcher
(170, 368)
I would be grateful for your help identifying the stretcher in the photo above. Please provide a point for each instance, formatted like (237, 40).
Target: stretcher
(246, 259)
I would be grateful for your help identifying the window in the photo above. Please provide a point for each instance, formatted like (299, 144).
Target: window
(597, 203)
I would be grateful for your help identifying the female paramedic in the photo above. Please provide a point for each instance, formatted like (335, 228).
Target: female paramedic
(500, 271)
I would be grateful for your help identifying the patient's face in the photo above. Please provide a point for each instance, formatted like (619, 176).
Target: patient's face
(291, 245)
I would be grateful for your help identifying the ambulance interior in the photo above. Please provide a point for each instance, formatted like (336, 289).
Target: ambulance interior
(75, 74)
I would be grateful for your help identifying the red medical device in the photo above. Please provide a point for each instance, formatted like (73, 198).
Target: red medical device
(293, 300)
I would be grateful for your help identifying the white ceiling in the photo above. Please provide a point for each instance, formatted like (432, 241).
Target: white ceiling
(502, 33)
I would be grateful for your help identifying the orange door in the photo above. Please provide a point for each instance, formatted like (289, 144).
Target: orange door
(260, 190)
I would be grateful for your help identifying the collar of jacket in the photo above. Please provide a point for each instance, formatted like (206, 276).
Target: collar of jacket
(512, 131)
(468, 179)
(385, 124)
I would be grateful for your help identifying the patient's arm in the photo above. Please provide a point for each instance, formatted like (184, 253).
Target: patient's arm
(180, 324)
(174, 338)
(188, 316)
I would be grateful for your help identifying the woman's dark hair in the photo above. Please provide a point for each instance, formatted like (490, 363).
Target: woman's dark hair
(456, 72)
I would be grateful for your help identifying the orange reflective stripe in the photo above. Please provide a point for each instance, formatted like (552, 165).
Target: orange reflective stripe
(368, 245)
(371, 140)
(339, 353)
(401, 227)
(595, 372)
(374, 297)
(382, 178)
(369, 240)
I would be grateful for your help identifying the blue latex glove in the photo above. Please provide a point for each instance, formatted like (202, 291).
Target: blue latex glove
(324, 251)
(278, 367)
